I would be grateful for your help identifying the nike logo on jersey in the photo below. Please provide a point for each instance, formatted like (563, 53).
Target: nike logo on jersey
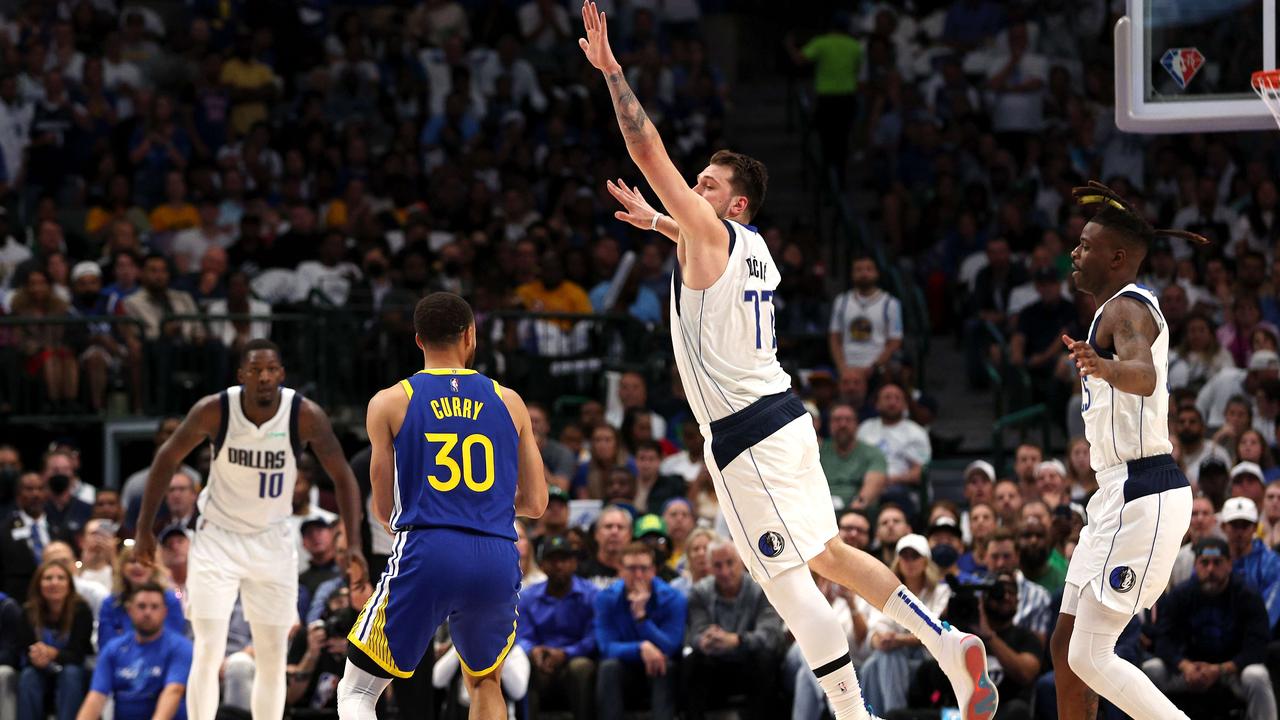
(757, 268)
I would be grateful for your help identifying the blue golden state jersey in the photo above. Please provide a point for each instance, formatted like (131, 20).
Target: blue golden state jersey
(457, 455)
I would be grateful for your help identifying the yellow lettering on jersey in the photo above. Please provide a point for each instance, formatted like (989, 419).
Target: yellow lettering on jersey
(466, 408)
(457, 406)
(475, 413)
(435, 408)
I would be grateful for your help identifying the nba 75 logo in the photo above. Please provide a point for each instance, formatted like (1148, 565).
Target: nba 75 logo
(1182, 64)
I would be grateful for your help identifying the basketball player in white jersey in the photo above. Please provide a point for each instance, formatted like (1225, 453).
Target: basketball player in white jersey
(761, 448)
(1142, 508)
(244, 543)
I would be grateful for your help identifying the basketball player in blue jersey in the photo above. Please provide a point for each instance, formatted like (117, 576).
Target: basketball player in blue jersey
(454, 461)
(761, 448)
(243, 538)
(1142, 508)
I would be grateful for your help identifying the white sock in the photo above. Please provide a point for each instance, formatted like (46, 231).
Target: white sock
(358, 693)
(270, 655)
(907, 610)
(844, 694)
(206, 660)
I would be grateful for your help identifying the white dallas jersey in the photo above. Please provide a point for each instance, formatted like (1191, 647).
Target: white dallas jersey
(725, 344)
(1122, 426)
(254, 467)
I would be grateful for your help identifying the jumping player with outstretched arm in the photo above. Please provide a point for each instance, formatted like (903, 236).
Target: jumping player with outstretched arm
(243, 537)
(1142, 508)
(761, 448)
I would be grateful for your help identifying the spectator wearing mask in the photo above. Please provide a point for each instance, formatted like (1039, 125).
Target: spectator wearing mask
(1212, 631)
(557, 632)
(946, 545)
(639, 624)
(29, 532)
(905, 445)
(55, 638)
(898, 653)
(855, 470)
(145, 672)
(735, 637)
(1251, 560)
(65, 509)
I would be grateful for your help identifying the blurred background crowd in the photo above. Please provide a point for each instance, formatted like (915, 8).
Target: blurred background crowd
(180, 177)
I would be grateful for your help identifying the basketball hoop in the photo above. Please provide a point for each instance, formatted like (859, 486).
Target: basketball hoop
(1267, 84)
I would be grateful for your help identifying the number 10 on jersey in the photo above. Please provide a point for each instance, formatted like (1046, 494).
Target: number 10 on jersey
(270, 484)
(766, 297)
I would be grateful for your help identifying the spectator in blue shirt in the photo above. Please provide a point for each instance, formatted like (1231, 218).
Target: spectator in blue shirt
(144, 671)
(640, 631)
(557, 633)
(114, 618)
(1251, 560)
(1212, 630)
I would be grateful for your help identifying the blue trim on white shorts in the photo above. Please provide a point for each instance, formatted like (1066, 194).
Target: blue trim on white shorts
(734, 434)
(1152, 476)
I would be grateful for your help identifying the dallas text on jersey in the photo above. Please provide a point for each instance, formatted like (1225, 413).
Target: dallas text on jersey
(260, 459)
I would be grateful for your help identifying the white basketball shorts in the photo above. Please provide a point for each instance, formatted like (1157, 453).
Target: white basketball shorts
(261, 567)
(770, 485)
(1137, 519)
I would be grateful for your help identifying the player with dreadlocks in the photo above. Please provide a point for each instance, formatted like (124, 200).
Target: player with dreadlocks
(1142, 508)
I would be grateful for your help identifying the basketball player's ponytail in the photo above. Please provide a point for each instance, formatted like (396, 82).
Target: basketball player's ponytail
(1119, 214)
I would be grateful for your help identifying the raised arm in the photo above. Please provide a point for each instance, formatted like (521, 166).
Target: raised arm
(317, 431)
(201, 423)
(1128, 326)
(531, 483)
(707, 249)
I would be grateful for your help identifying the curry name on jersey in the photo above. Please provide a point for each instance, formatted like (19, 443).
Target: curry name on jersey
(456, 455)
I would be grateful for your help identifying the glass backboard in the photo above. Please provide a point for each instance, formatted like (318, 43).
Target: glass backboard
(1185, 65)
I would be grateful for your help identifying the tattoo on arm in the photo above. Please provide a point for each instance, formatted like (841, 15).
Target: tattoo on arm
(631, 116)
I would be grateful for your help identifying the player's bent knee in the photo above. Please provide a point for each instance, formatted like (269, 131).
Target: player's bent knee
(1081, 660)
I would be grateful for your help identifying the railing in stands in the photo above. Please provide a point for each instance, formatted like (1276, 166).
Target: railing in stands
(844, 225)
(337, 356)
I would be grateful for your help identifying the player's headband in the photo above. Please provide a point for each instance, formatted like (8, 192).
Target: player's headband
(1095, 193)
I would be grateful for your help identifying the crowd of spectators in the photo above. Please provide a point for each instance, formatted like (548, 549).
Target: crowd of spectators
(179, 172)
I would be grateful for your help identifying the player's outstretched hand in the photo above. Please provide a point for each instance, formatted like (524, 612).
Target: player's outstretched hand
(1084, 356)
(596, 44)
(636, 210)
(144, 547)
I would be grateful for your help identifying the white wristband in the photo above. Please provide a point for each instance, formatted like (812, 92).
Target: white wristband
(653, 225)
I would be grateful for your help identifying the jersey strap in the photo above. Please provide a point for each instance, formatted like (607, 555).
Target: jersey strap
(224, 405)
(295, 411)
(408, 388)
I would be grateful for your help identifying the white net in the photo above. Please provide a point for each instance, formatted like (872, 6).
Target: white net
(1267, 84)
